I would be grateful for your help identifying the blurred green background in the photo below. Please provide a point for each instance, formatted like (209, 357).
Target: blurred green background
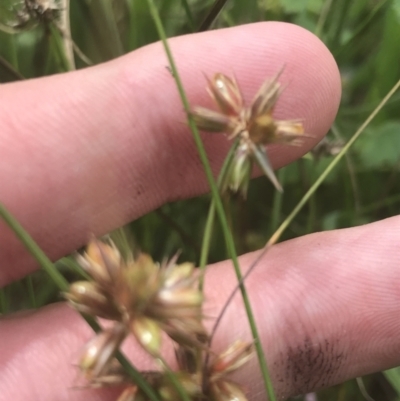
(364, 37)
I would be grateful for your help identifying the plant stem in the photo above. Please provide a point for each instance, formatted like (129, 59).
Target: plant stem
(189, 15)
(65, 30)
(212, 15)
(183, 395)
(205, 246)
(218, 203)
(277, 202)
(31, 292)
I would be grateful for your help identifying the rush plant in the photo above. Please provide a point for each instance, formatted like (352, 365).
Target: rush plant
(124, 293)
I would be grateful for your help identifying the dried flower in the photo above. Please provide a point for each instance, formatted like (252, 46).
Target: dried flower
(216, 383)
(254, 126)
(99, 351)
(142, 297)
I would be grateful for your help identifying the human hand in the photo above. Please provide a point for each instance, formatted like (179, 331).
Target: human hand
(88, 151)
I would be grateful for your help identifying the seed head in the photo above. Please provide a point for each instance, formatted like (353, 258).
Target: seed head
(142, 296)
(254, 126)
(216, 384)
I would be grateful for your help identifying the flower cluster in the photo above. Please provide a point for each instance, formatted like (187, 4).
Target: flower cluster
(144, 299)
(254, 126)
(141, 297)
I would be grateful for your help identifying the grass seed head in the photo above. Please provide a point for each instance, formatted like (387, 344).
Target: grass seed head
(100, 351)
(254, 125)
(88, 297)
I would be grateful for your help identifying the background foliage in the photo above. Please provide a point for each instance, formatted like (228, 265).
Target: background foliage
(363, 36)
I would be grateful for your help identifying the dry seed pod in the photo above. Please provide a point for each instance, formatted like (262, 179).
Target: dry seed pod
(254, 125)
(226, 93)
(232, 358)
(99, 352)
(148, 334)
(88, 297)
(140, 293)
(227, 391)
(102, 262)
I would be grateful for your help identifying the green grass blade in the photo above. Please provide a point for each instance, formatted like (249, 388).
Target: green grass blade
(212, 15)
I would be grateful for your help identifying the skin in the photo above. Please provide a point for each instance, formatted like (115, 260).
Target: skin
(87, 151)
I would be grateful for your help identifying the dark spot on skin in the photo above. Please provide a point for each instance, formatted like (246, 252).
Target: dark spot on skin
(139, 190)
(308, 366)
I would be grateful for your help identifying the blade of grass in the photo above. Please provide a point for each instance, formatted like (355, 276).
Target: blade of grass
(31, 292)
(218, 203)
(10, 69)
(189, 15)
(212, 15)
(105, 19)
(330, 167)
(183, 395)
(65, 30)
(3, 301)
(63, 285)
(33, 248)
(74, 267)
(58, 44)
(205, 246)
(277, 202)
(322, 18)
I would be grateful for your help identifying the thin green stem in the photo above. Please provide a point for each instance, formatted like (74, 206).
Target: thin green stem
(60, 51)
(277, 202)
(3, 301)
(63, 285)
(107, 16)
(322, 17)
(7, 66)
(65, 31)
(33, 249)
(189, 15)
(212, 15)
(330, 167)
(31, 292)
(74, 267)
(205, 246)
(183, 395)
(218, 203)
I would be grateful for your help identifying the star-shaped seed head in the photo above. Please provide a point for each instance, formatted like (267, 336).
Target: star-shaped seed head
(254, 126)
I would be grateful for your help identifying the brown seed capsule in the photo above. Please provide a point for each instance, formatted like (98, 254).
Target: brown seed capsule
(148, 334)
(212, 121)
(88, 297)
(232, 358)
(239, 172)
(226, 93)
(101, 261)
(99, 352)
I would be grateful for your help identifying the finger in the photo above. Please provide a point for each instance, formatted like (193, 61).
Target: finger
(87, 151)
(326, 305)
